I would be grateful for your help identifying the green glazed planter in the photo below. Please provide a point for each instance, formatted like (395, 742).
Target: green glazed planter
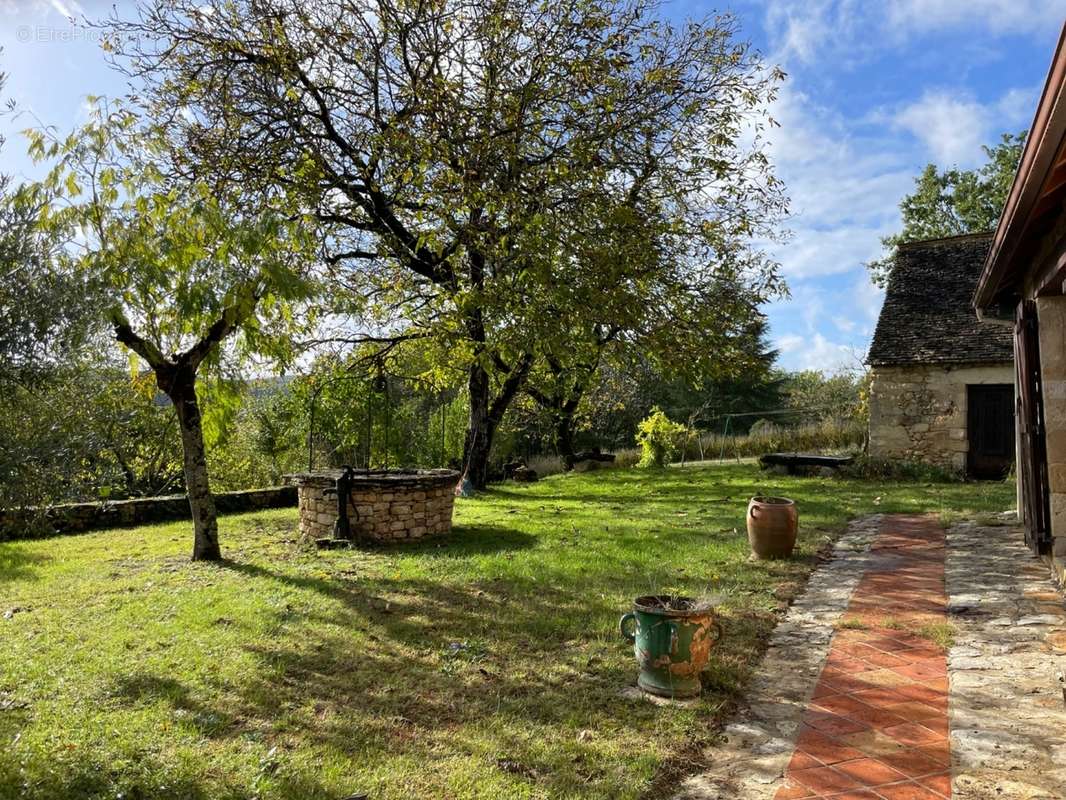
(672, 639)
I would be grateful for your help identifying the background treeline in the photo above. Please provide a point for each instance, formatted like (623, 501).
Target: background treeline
(93, 430)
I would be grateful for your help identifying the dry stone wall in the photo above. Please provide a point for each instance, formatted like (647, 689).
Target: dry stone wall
(382, 507)
(918, 413)
(81, 517)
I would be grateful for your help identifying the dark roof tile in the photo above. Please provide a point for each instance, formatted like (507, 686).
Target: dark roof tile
(927, 317)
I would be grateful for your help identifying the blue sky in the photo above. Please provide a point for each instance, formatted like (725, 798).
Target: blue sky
(876, 90)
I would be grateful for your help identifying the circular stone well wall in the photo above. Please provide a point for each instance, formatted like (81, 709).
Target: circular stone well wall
(383, 505)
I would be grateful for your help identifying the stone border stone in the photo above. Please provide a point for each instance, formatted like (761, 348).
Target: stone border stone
(1007, 704)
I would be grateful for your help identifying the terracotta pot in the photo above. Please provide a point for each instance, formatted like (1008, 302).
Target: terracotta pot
(772, 526)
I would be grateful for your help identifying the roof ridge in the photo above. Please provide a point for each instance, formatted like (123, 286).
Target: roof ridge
(954, 238)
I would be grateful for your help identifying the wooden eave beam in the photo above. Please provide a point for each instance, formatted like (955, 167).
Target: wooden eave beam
(1042, 148)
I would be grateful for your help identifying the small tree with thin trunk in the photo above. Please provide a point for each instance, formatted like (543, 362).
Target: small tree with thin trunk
(194, 276)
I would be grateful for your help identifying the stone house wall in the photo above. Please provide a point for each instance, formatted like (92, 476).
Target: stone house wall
(919, 412)
(1051, 314)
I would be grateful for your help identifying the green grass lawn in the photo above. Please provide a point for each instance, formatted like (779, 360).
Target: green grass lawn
(486, 665)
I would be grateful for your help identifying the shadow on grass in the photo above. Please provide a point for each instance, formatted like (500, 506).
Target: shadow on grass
(17, 563)
(439, 660)
(465, 541)
(85, 776)
(380, 678)
(429, 659)
(144, 687)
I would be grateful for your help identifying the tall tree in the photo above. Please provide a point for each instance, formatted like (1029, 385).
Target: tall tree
(954, 201)
(46, 319)
(187, 267)
(45, 308)
(450, 145)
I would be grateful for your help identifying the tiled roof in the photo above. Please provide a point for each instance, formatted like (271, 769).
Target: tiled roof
(927, 317)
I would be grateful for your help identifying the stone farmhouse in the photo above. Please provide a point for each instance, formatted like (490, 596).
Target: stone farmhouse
(942, 388)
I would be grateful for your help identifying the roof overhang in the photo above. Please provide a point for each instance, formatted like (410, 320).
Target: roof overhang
(1038, 189)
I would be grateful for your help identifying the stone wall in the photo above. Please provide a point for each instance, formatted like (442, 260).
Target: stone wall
(918, 413)
(80, 517)
(382, 506)
(1051, 313)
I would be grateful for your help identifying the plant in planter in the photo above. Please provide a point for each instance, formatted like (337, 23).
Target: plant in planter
(672, 639)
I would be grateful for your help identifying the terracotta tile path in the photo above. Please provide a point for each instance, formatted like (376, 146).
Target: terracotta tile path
(877, 723)
(852, 699)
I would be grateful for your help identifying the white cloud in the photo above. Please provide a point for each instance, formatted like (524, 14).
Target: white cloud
(867, 299)
(799, 33)
(828, 322)
(952, 128)
(27, 9)
(1003, 16)
(844, 190)
(816, 352)
(813, 252)
(1017, 107)
(804, 30)
(847, 166)
(801, 30)
(70, 11)
(844, 324)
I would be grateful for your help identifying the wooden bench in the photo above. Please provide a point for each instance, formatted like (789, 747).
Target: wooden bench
(795, 461)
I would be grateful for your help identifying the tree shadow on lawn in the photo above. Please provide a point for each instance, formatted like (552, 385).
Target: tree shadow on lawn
(442, 664)
(463, 541)
(77, 774)
(144, 687)
(81, 776)
(17, 563)
(535, 612)
(507, 670)
(433, 671)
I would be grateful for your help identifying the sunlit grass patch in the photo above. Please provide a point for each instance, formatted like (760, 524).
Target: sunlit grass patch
(942, 634)
(484, 665)
(852, 624)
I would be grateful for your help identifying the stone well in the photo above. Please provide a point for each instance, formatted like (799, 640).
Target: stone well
(383, 505)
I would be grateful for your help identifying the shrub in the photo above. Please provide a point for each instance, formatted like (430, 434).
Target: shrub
(629, 457)
(657, 436)
(881, 469)
(763, 427)
(827, 436)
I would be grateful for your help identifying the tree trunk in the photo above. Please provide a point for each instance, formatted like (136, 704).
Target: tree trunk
(197, 485)
(486, 412)
(564, 438)
(480, 430)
